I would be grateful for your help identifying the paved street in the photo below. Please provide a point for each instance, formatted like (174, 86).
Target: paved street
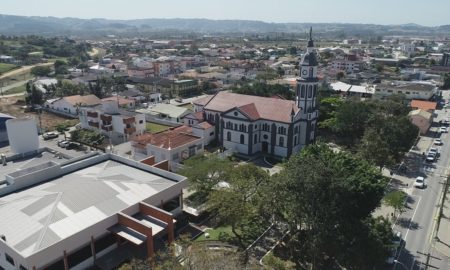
(417, 223)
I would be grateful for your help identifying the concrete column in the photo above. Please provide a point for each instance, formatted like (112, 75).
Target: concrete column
(150, 251)
(66, 262)
(93, 248)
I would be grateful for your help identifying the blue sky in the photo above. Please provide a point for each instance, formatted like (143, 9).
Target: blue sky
(430, 12)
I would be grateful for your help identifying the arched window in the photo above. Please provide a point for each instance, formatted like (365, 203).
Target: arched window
(242, 139)
(310, 91)
(302, 94)
(281, 142)
(256, 138)
(228, 136)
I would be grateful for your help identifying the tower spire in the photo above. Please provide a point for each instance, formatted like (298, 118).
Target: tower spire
(310, 42)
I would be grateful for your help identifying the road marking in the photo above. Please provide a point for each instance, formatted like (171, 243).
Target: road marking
(412, 218)
(406, 235)
(412, 266)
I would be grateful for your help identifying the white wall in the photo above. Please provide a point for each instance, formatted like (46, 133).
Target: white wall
(22, 135)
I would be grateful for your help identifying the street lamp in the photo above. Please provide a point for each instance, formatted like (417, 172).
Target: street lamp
(402, 264)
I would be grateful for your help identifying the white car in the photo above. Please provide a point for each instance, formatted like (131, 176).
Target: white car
(438, 142)
(420, 182)
(443, 129)
(63, 143)
(397, 240)
(50, 135)
(431, 157)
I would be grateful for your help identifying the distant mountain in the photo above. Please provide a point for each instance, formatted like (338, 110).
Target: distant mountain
(51, 26)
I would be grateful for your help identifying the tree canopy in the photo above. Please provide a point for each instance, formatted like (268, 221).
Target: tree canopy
(239, 203)
(327, 196)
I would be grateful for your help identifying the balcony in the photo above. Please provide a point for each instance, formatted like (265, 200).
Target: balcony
(107, 127)
(92, 114)
(128, 121)
(106, 118)
(129, 130)
(93, 124)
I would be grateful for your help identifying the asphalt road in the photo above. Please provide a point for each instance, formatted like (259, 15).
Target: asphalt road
(418, 221)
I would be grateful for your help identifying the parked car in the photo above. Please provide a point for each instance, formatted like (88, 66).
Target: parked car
(420, 182)
(431, 157)
(443, 129)
(397, 239)
(446, 121)
(50, 135)
(438, 142)
(63, 143)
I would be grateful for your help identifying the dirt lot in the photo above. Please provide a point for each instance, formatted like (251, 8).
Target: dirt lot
(13, 106)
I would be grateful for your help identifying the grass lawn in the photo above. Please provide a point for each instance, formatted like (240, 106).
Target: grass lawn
(15, 90)
(215, 233)
(6, 67)
(155, 128)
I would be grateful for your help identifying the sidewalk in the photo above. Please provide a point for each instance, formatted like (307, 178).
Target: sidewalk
(403, 180)
(442, 243)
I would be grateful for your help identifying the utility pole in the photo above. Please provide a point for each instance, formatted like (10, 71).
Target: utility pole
(427, 264)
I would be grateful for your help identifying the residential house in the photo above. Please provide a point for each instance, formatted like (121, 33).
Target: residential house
(174, 145)
(363, 91)
(71, 104)
(123, 102)
(164, 113)
(422, 119)
(43, 84)
(170, 88)
(411, 90)
(118, 124)
(428, 106)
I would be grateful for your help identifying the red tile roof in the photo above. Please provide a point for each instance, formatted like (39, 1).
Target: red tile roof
(168, 139)
(204, 125)
(250, 110)
(424, 105)
(267, 108)
(122, 101)
(88, 100)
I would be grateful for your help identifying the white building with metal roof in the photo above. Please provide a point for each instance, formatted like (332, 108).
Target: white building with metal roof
(70, 214)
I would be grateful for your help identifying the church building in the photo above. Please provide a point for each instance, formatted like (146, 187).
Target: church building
(251, 124)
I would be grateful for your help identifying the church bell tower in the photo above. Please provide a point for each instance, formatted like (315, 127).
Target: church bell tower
(307, 90)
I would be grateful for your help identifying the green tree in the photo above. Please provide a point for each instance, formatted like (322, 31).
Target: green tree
(351, 119)
(326, 196)
(340, 75)
(41, 71)
(396, 200)
(328, 108)
(374, 242)
(446, 80)
(375, 149)
(379, 67)
(237, 204)
(35, 96)
(60, 67)
(205, 172)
